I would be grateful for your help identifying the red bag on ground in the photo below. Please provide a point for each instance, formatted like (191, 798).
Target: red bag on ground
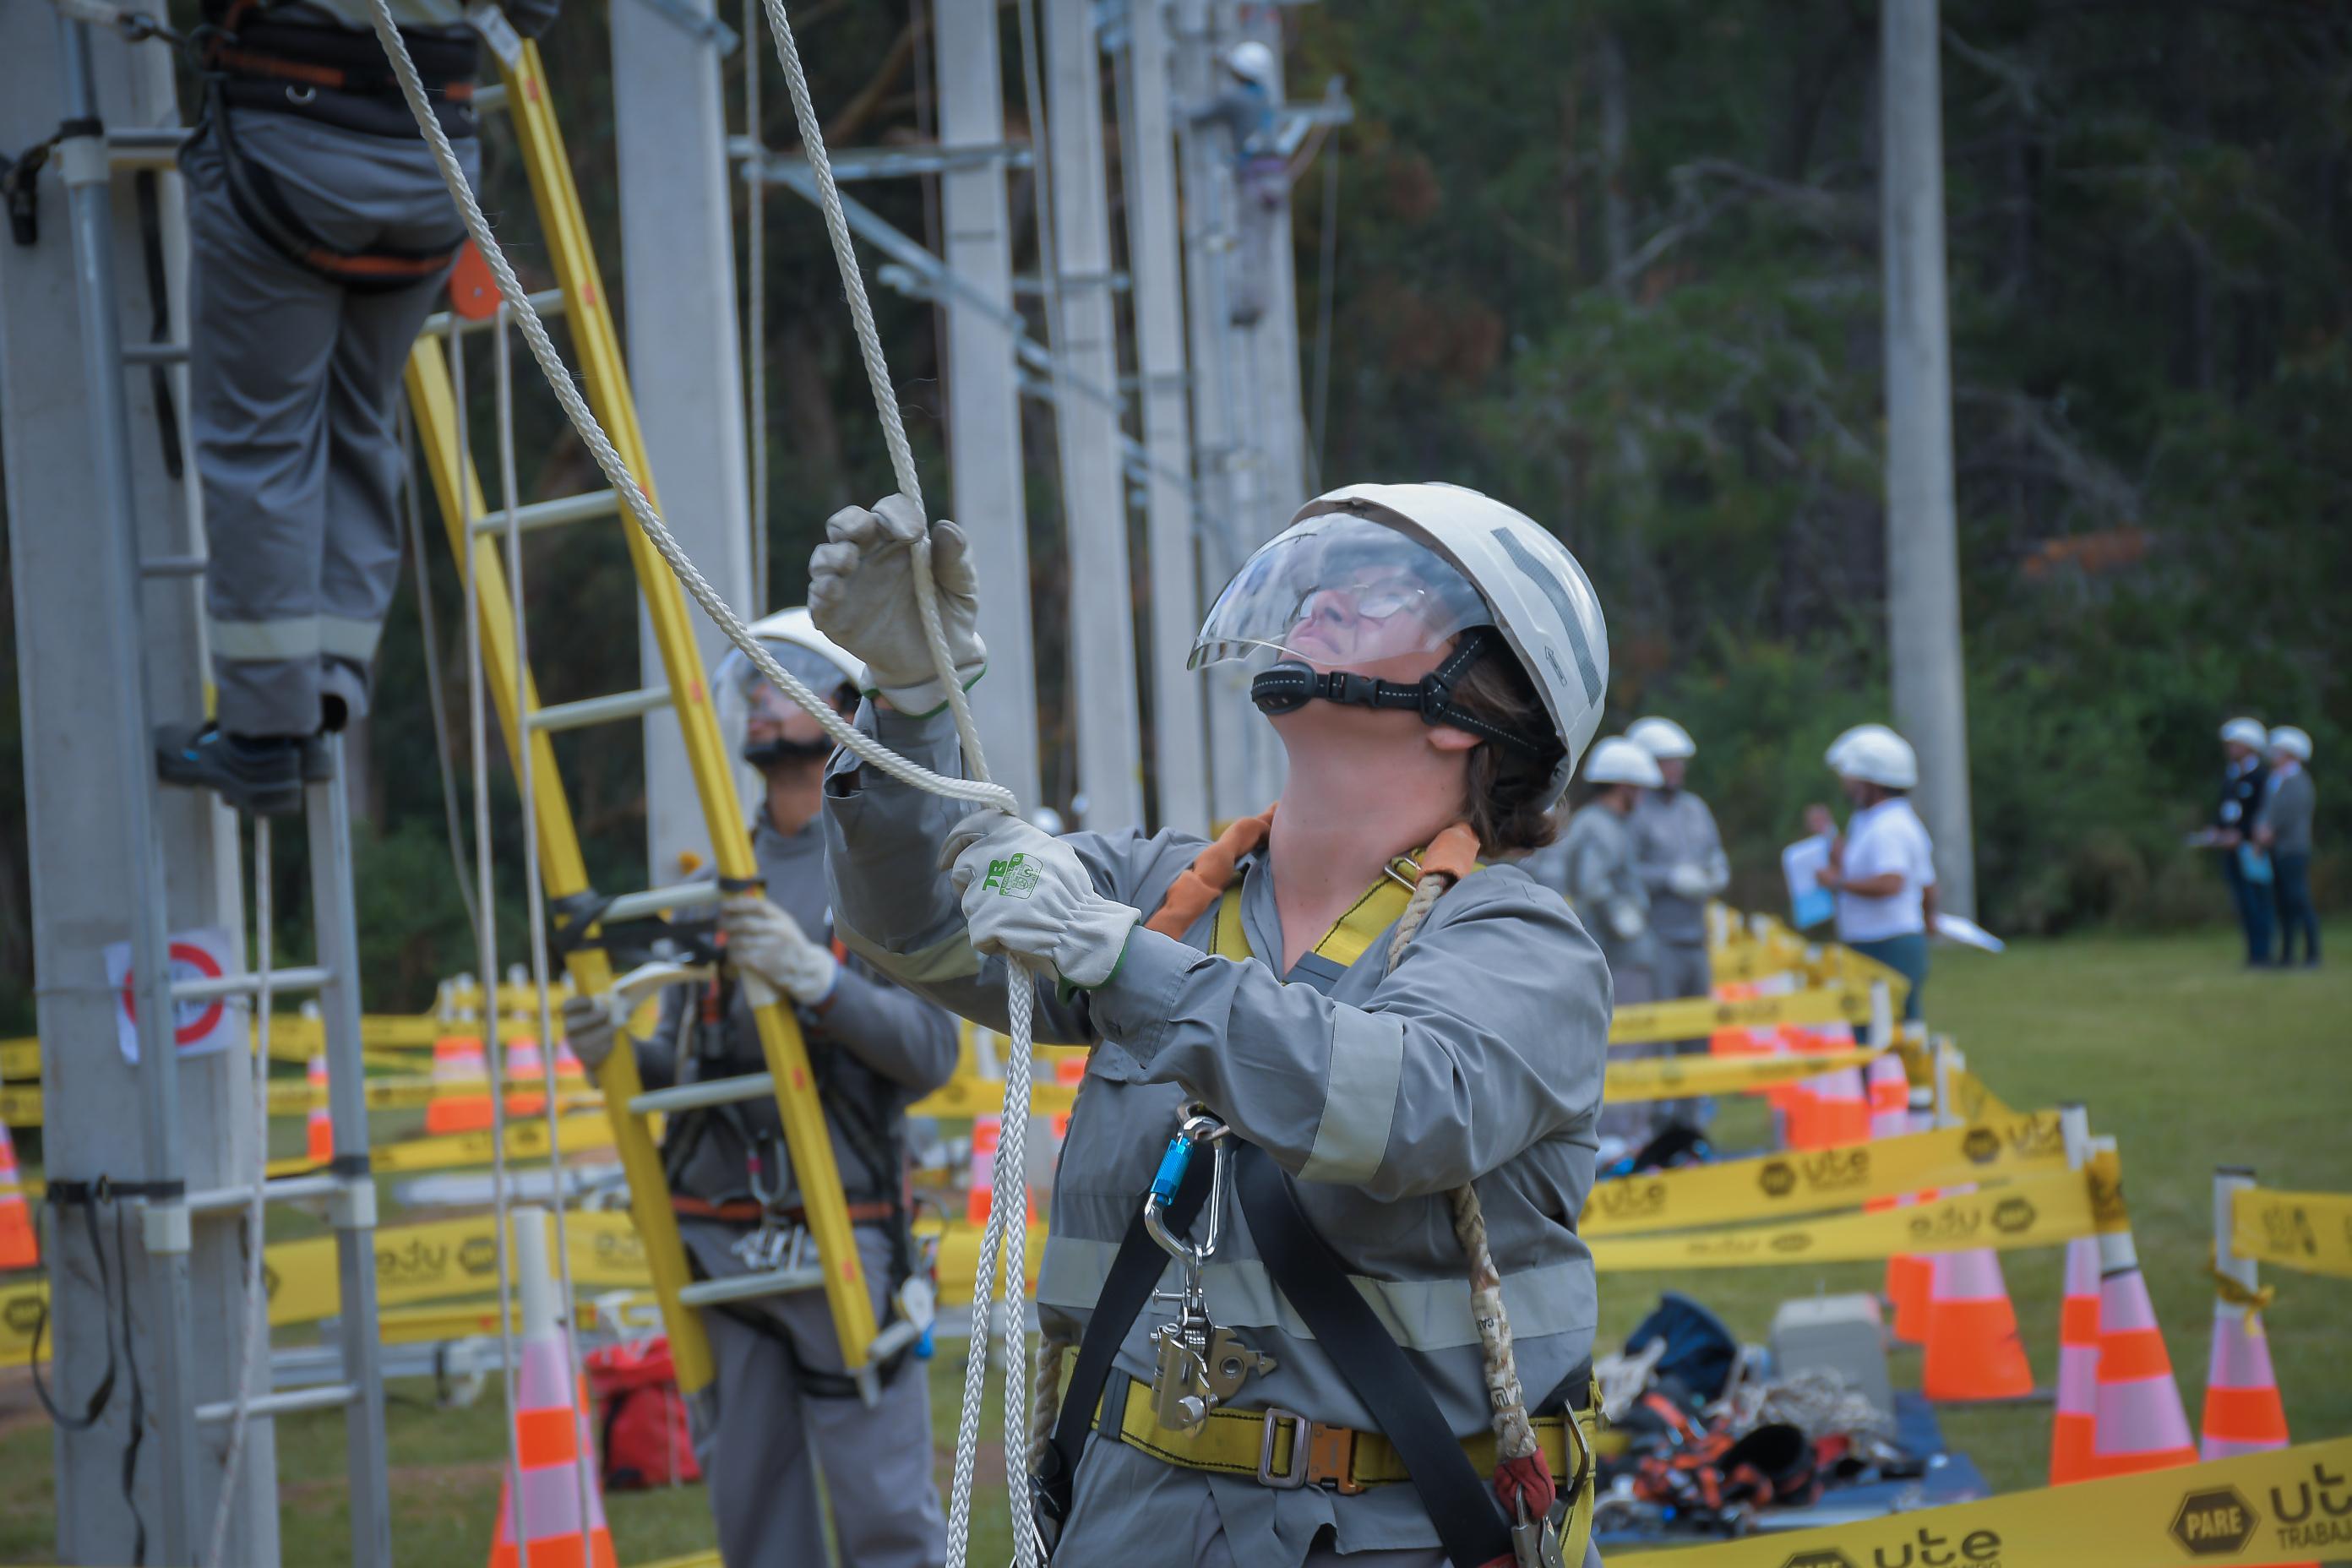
(642, 1416)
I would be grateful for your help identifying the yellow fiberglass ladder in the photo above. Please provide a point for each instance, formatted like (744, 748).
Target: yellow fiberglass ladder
(582, 918)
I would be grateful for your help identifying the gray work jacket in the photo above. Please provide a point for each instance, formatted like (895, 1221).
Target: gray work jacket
(876, 1049)
(1671, 829)
(2287, 811)
(1480, 1059)
(1595, 867)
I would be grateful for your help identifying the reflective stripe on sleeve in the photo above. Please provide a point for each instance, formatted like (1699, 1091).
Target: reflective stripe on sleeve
(1360, 1103)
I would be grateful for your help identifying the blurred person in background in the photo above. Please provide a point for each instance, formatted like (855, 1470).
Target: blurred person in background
(2282, 829)
(1883, 869)
(2244, 783)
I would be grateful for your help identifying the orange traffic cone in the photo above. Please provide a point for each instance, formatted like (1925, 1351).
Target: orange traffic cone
(2242, 1413)
(528, 1068)
(320, 1127)
(2071, 1429)
(1974, 1353)
(461, 1100)
(552, 1506)
(987, 1132)
(19, 1248)
(2141, 1422)
(1844, 1106)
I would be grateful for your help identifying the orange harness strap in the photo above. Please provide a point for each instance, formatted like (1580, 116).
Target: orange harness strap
(1205, 881)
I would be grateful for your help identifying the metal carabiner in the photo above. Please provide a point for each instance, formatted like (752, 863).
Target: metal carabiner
(1197, 1126)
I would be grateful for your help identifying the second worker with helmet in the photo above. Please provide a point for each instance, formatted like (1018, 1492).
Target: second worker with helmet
(1372, 1056)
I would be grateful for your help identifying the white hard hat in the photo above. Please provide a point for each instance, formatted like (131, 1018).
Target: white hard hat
(2288, 741)
(1252, 62)
(1838, 746)
(790, 636)
(2246, 732)
(1464, 560)
(1661, 737)
(1619, 760)
(1876, 755)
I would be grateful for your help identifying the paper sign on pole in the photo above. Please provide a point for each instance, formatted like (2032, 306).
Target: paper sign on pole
(201, 1028)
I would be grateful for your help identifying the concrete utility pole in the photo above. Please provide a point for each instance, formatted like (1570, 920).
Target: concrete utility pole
(1149, 164)
(1226, 470)
(678, 253)
(1277, 409)
(1923, 582)
(983, 399)
(79, 803)
(1102, 623)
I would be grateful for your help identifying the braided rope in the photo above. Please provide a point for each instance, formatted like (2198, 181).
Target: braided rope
(1514, 1435)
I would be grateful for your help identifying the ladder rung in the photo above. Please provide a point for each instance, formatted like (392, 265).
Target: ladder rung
(750, 1287)
(583, 507)
(172, 566)
(699, 1096)
(599, 710)
(301, 977)
(218, 1200)
(148, 149)
(547, 302)
(155, 353)
(659, 900)
(328, 1397)
(490, 96)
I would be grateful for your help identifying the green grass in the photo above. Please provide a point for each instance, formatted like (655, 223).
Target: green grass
(2190, 1061)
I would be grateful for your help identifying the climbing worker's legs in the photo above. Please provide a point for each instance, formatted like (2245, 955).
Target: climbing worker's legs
(294, 380)
(781, 1413)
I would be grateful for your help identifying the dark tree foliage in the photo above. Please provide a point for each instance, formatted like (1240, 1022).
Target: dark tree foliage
(1618, 262)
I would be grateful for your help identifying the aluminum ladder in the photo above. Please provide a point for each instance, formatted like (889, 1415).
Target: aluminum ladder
(90, 159)
(580, 914)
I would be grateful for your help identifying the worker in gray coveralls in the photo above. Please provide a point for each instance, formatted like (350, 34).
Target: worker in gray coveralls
(1684, 866)
(1376, 1010)
(1596, 866)
(783, 1405)
(319, 234)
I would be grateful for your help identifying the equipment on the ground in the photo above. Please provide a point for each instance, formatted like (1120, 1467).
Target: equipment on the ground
(1367, 573)
(1876, 755)
(1844, 1336)
(1618, 761)
(1661, 737)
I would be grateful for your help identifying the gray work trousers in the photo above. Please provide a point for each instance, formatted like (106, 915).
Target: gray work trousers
(296, 382)
(762, 1453)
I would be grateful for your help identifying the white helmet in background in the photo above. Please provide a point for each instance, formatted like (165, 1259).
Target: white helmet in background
(1420, 566)
(741, 693)
(2286, 740)
(1876, 755)
(1252, 62)
(1662, 738)
(2247, 732)
(1838, 746)
(1619, 760)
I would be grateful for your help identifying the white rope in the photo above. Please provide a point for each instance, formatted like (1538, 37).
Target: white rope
(254, 1351)
(534, 917)
(485, 949)
(1020, 997)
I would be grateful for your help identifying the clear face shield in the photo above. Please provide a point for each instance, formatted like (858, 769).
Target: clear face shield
(762, 725)
(1340, 591)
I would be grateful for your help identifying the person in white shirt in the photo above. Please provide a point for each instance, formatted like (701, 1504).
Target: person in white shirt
(1883, 869)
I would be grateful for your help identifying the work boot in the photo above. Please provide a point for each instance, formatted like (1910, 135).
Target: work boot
(260, 775)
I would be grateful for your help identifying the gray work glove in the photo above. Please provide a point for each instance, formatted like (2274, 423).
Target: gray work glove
(1625, 919)
(862, 596)
(1689, 881)
(768, 946)
(593, 1026)
(1027, 896)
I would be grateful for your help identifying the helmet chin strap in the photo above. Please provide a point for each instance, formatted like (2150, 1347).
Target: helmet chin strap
(768, 753)
(1289, 686)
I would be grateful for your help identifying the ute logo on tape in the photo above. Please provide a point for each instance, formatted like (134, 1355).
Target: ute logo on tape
(2320, 1515)
(1827, 1557)
(1981, 1145)
(415, 1263)
(2214, 1523)
(479, 1255)
(1792, 1241)
(1778, 1178)
(1631, 1199)
(2288, 1229)
(23, 1315)
(2014, 1215)
(1925, 1549)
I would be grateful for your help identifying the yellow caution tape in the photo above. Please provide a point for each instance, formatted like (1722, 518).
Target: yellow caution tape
(960, 1259)
(2228, 1290)
(1671, 1078)
(20, 1106)
(413, 1263)
(526, 1140)
(2232, 1513)
(1809, 1180)
(962, 1097)
(20, 1060)
(2041, 1212)
(23, 1105)
(1649, 1023)
(2310, 1232)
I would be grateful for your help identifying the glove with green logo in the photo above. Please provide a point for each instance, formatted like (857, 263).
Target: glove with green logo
(1027, 896)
